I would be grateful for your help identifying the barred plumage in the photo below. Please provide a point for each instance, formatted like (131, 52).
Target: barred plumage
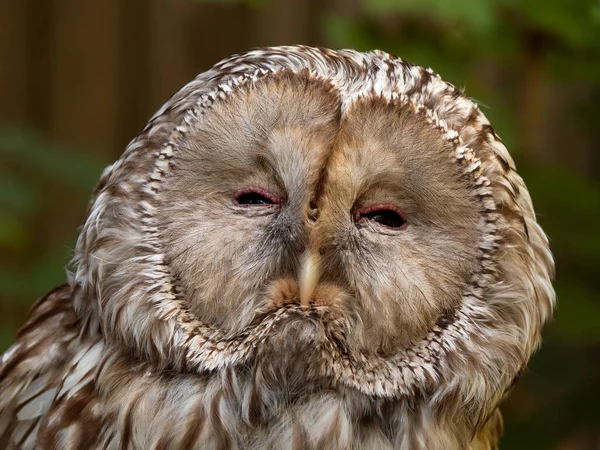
(182, 324)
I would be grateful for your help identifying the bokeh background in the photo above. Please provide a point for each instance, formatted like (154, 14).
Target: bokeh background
(78, 80)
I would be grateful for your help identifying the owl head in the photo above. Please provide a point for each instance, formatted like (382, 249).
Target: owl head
(349, 208)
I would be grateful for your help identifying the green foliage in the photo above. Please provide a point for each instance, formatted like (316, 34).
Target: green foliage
(479, 15)
(77, 169)
(568, 207)
(253, 3)
(34, 172)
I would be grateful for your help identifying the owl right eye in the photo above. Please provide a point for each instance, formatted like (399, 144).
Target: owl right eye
(255, 197)
(384, 215)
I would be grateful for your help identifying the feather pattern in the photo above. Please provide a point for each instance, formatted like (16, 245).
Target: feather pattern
(117, 359)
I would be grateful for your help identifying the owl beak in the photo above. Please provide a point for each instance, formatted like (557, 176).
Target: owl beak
(309, 276)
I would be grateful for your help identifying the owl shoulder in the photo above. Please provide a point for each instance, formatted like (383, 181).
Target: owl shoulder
(49, 364)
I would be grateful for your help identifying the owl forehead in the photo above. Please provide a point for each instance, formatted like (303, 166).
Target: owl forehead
(346, 76)
(286, 111)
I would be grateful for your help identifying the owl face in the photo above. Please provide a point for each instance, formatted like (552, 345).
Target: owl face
(348, 206)
(369, 192)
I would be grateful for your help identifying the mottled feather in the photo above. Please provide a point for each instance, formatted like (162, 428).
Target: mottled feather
(191, 320)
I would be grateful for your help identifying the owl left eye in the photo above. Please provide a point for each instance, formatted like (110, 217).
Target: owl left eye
(255, 197)
(387, 216)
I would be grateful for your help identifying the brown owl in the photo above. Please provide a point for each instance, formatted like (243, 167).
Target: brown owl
(303, 249)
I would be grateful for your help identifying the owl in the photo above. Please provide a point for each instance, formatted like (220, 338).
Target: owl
(303, 249)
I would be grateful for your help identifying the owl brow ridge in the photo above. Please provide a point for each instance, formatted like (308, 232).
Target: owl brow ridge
(208, 348)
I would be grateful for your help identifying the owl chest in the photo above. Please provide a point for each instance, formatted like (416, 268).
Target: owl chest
(106, 401)
(231, 410)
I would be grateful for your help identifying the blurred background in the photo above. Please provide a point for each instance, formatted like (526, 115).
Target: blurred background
(79, 79)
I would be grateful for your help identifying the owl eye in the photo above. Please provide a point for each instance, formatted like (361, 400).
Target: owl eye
(386, 216)
(255, 197)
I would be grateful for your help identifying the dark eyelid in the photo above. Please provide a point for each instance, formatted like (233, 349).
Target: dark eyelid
(275, 201)
(361, 213)
(379, 207)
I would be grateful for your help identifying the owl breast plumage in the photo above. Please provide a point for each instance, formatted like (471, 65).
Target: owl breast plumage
(304, 249)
